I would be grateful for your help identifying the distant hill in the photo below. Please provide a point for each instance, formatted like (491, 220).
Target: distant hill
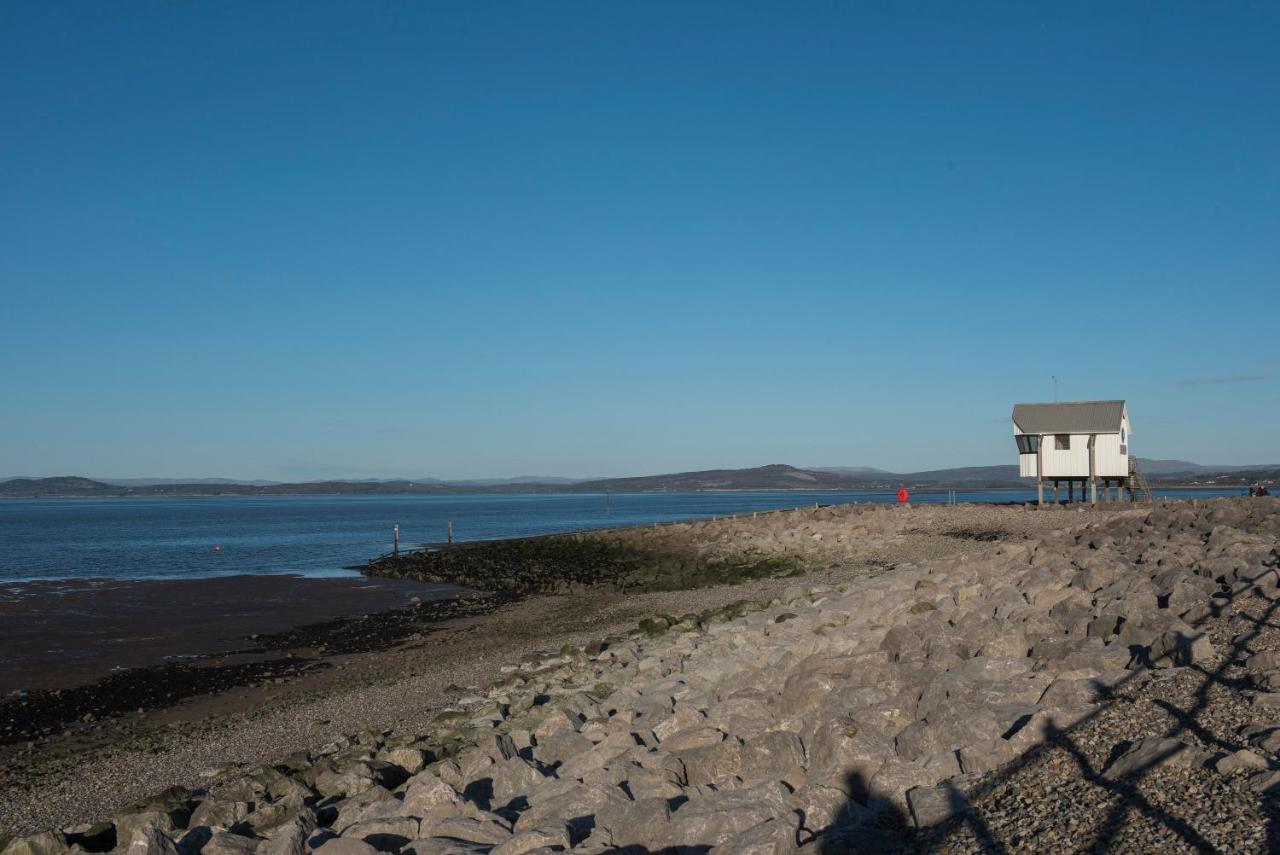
(967, 475)
(35, 488)
(1183, 467)
(852, 471)
(522, 479)
(777, 476)
(149, 482)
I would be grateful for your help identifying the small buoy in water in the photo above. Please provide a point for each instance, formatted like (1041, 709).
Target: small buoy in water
(217, 548)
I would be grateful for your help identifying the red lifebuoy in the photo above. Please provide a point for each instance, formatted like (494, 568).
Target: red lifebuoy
(903, 495)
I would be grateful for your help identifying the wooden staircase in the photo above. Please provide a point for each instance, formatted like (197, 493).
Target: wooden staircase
(1139, 489)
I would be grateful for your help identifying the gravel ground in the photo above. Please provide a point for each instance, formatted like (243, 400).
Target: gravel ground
(1054, 800)
(60, 782)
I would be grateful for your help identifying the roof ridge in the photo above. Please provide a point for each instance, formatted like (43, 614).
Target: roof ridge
(1063, 403)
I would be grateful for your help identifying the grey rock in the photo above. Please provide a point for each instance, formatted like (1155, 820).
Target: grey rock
(469, 829)
(220, 813)
(289, 838)
(777, 836)
(714, 818)
(44, 843)
(771, 756)
(411, 760)
(345, 846)
(426, 795)
(513, 777)
(148, 840)
(543, 837)
(561, 747)
(1242, 760)
(712, 763)
(1182, 647)
(643, 823)
(575, 805)
(1151, 753)
(128, 824)
(935, 805)
(222, 842)
(373, 803)
(386, 834)
(445, 846)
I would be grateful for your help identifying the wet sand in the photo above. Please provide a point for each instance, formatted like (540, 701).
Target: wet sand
(59, 634)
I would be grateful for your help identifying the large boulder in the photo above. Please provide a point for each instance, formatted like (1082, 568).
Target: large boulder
(44, 843)
(644, 823)
(147, 840)
(345, 846)
(1182, 646)
(772, 756)
(714, 818)
(1151, 753)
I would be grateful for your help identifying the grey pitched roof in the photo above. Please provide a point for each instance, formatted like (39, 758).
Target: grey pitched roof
(1071, 417)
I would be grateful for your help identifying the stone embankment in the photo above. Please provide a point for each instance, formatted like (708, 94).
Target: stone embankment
(682, 556)
(904, 710)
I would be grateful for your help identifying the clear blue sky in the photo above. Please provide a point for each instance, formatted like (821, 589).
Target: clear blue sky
(286, 240)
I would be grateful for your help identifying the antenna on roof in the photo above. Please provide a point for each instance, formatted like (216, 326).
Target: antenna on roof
(1055, 389)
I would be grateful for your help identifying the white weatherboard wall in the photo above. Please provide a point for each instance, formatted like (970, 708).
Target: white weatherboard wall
(1027, 465)
(1109, 462)
(1072, 463)
(1107, 458)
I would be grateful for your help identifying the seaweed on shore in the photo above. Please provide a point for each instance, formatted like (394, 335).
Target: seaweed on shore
(514, 569)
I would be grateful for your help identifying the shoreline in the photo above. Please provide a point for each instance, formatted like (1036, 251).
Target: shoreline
(402, 674)
(887, 488)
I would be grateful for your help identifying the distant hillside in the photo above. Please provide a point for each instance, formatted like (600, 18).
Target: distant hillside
(853, 471)
(967, 475)
(778, 476)
(1238, 478)
(1183, 467)
(35, 488)
(774, 477)
(149, 482)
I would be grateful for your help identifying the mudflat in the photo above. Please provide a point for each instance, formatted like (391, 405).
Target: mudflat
(55, 635)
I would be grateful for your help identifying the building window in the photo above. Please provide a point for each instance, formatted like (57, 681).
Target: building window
(1062, 441)
(1122, 439)
(1124, 449)
(1027, 444)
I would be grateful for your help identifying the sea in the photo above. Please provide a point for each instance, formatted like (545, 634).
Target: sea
(324, 536)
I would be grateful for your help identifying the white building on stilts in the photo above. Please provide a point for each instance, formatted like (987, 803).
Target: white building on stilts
(1084, 442)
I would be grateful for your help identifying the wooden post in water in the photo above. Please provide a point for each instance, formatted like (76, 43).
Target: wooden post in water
(395, 540)
(451, 531)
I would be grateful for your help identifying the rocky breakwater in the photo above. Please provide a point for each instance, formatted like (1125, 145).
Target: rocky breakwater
(668, 557)
(830, 719)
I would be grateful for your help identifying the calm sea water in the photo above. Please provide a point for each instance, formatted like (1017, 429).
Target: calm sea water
(319, 535)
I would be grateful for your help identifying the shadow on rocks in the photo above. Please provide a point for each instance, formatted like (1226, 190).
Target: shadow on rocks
(851, 831)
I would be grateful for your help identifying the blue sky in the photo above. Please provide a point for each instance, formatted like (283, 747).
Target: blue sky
(466, 240)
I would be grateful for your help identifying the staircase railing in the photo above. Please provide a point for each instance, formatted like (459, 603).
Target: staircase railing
(1138, 486)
